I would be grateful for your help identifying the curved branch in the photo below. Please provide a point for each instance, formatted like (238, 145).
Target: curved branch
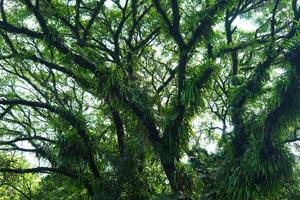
(26, 139)
(38, 170)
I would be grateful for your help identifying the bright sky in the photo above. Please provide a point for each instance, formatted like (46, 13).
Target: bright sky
(244, 24)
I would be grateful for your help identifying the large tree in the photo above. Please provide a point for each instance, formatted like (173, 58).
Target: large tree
(117, 98)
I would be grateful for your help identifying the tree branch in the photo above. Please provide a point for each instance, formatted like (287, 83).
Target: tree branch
(38, 170)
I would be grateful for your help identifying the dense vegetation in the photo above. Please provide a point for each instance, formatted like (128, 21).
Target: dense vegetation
(141, 99)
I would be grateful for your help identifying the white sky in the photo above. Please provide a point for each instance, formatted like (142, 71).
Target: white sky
(244, 24)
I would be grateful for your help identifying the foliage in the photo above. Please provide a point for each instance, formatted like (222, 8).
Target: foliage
(152, 99)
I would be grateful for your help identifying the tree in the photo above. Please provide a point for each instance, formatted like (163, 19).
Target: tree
(16, 186)
(113, 94)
